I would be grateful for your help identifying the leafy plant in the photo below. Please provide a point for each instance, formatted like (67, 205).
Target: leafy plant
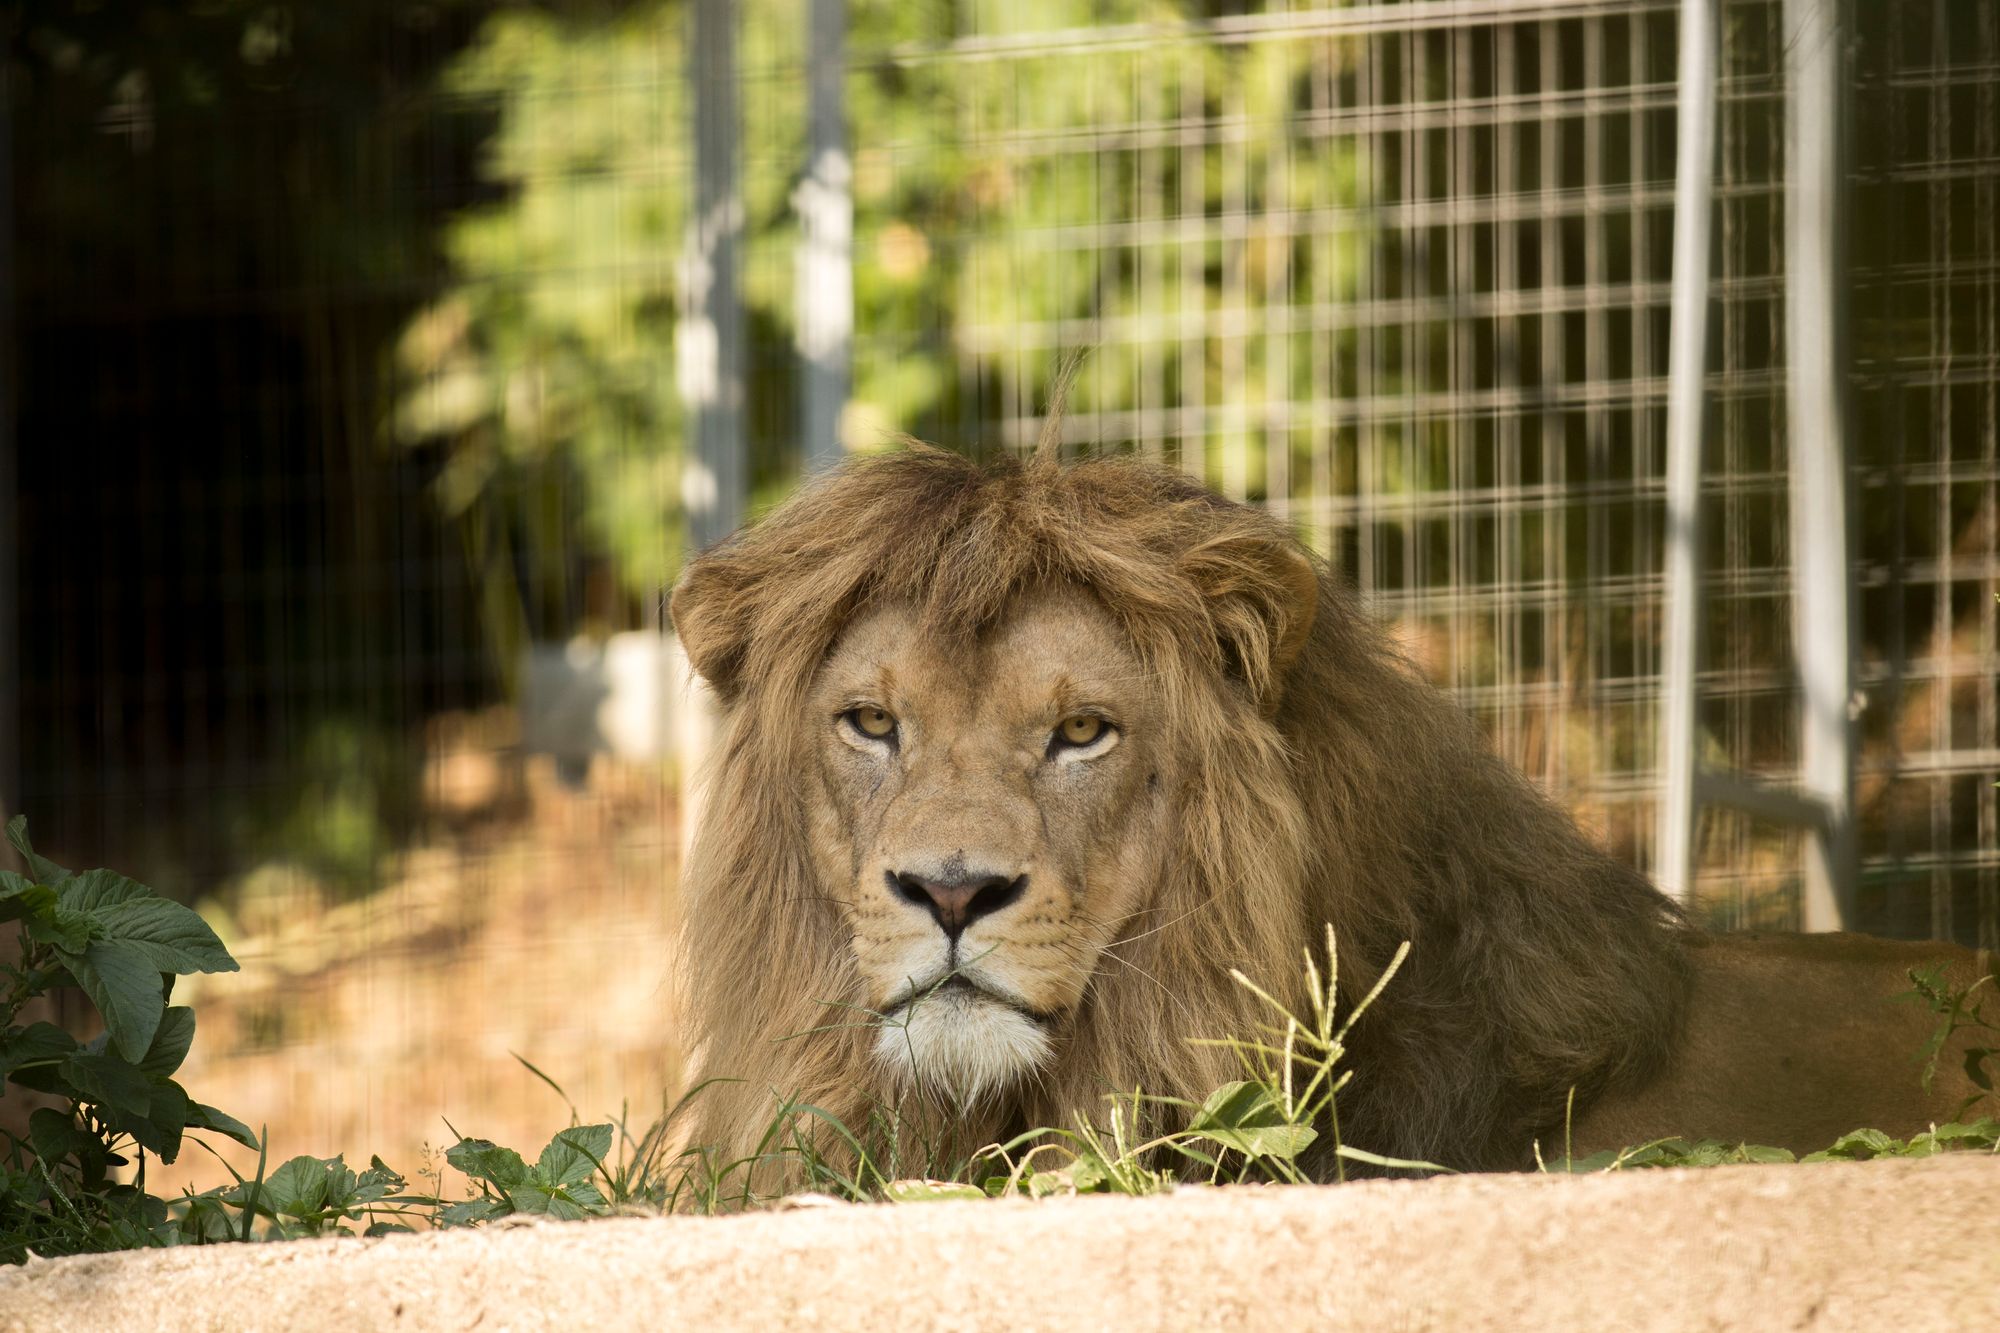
(122, 945)
(1958, 1008)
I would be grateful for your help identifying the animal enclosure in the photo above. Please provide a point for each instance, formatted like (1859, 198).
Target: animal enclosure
(374, 369)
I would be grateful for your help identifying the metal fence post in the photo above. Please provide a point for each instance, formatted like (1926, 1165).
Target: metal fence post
(710, 342)
(1687, 358)
(1816, 399)
(825, 201)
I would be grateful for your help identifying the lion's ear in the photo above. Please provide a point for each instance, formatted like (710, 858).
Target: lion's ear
(713, 612)
(1262, 595)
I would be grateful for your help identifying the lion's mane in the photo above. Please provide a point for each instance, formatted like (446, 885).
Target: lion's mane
(1355, 795)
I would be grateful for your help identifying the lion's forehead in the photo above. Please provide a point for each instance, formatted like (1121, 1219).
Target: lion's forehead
(1051, 648)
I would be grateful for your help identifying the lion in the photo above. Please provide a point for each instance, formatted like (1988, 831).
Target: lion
(1017, 760)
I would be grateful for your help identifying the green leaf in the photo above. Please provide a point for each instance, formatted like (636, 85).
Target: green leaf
(469, 1212)
(340, 1183)
(44, 870)
(95, 891)
(1248, 1118)
(125, 986)
(200, 1116)
(569, 1203)
(59, 926)
(930, 1191)
(108, 1081)
(485, 1160)
(55, 1135)
(1757, 1152)
(21, 897)
(173, 938)
(170, 1042)
(1975, 1068)
(377, 1182)
(573, 1156)
(38, 1043)
(1856, 1146)
(161, 1127)
(298, 1188)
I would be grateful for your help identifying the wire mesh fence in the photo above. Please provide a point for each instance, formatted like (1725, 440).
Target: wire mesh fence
(351, 451)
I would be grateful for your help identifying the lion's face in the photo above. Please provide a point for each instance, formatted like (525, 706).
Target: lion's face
(989, 815)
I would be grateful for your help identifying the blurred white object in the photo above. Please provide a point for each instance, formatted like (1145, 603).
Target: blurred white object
(623, 696)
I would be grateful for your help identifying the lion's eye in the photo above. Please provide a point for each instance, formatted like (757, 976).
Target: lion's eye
(1079, 731)
(877, 724)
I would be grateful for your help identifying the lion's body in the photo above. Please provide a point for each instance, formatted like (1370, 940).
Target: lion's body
(1263, 763)
(1792, 1041)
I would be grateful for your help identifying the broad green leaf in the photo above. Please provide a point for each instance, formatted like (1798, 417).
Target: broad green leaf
(1248, 1118)
(125, 986)
(172, 937)
(55, 1134)
(485, 1160)
(340, 1182)
(38, 1043)
(161, 1127)
(572, 1156)
(1087, 1175)
(930, 1191)
(1983, 1131)
(388, 1229)
(298, 1188)
(468, 1212)
(1860, 1145)
(67, 930)
(110, 1082)
(94, 891)
(200, 1116)
(21, 897)
(1757, 1152)
(376, 1183)
(44, 870)
(170, 1042)
(568, 1203)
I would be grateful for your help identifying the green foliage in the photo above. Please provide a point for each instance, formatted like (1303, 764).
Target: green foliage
(1860, 1145)
(1959, 1009)
(542, 371)
(122, 946)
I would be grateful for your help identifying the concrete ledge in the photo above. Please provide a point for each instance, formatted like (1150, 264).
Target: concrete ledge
(1901, 1244)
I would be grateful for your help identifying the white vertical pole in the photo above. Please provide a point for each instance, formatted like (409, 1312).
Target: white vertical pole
(825, 201)
(1687, 357)
(1816, 398)
(710, 343)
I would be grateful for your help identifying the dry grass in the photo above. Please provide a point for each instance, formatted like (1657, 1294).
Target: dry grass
(537, 920)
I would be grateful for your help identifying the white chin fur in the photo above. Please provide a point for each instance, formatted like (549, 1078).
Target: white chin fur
(962, 1046)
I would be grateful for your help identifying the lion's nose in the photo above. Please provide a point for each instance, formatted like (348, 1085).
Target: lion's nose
(956, 903)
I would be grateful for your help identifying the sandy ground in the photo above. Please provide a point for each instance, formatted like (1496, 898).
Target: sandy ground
(1908, 1246)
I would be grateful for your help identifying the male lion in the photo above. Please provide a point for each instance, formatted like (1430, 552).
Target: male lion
(1026, 757)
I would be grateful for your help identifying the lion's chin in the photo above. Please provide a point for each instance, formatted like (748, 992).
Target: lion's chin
(961, 1045)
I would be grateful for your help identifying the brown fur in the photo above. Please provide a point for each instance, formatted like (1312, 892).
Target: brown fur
(1321, 781)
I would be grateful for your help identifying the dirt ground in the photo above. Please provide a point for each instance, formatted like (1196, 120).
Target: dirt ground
(1887, 1245)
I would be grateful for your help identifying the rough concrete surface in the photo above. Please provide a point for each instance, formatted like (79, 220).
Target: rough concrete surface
(1902, 1245)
